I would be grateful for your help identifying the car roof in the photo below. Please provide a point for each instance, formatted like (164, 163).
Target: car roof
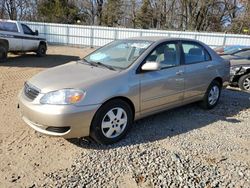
(12, 21)
(159, 38)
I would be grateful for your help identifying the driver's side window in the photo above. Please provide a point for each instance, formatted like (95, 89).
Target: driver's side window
(165, 54)
(27, 30)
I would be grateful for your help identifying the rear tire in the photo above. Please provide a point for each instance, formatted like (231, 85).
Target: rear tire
(3, 54)
(212, 95)
(41, 50)
(111, 122)
(244, 82)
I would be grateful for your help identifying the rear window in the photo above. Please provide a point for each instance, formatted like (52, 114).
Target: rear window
(194, 53)
(8, 26)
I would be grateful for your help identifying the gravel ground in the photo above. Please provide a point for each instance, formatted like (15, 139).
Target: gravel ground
(183, 147)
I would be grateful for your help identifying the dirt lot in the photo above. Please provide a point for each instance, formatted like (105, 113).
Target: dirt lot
(24, 155)
(219, 138)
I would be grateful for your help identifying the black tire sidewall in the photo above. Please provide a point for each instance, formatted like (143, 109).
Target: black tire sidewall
(41, 51)
(241, 81)
(95, 129)
(3, 53)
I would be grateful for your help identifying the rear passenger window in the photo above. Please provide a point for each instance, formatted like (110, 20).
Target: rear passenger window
(194, 53)
(8, 26)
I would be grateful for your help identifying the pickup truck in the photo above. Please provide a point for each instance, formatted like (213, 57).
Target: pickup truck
(18, 37)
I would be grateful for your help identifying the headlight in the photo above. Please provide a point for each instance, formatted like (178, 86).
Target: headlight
(64, 96)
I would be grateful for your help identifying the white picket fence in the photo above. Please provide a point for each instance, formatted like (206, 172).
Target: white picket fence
(81, 35)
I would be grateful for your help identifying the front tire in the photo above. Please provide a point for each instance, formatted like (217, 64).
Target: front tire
(244, 82)
(111, 122)
(41, 50)
(212, 95)
(3, 54)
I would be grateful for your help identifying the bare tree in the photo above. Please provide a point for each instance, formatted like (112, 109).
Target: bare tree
(2, 9)
(11, 9)
(99, 11)
(194, 15)
(18, 9)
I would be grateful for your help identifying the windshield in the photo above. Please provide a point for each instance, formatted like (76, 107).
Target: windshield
(244, 53)
(229, 48)
(119, 54)
(232, 51)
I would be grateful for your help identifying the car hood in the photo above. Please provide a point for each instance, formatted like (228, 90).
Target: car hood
(227, 57)
(230, 57)
(70, 75)
(239, 62)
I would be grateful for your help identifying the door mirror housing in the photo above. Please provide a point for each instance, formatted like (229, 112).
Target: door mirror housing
(36, 33)
(151, 66)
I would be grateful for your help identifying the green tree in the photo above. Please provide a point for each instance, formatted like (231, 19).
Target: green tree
(59, 11)
(145, 15)
(112, 13)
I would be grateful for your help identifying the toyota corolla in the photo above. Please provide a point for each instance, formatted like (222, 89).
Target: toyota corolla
(102, 94)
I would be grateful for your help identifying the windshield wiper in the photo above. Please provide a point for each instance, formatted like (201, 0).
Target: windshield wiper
(98, 64)
(104, 65)
(88, 62)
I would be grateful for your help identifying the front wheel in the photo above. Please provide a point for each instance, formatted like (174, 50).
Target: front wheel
(41, 50)
(212, 95)
(3, 54)
(111, 122)
(244, 82)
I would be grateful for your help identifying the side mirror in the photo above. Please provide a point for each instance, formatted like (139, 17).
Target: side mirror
(151, 66)
(36, 33)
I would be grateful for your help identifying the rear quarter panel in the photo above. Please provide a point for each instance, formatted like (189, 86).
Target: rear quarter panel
(222, 66)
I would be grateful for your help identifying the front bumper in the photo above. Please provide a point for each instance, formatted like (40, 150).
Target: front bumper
(68, 121)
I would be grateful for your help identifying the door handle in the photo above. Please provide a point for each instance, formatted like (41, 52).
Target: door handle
(180, 72)
(209, 66)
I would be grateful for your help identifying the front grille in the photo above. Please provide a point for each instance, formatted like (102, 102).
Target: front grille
(58, 129)
(30, 91)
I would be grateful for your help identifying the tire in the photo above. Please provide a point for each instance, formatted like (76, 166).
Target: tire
(3, 54)
(108, 130)
(244, 82)
(41, 50)
(212, 95)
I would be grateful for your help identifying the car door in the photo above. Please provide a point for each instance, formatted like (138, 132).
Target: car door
(165, 87)
(30, 41)
(199, 69)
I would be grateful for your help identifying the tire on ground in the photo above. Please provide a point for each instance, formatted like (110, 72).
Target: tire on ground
(3, 54)
(205, 104)
(41, 50)
(96, 131)
(244, 82)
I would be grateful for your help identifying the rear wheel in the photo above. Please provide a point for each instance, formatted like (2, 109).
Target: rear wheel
(111, 122)
(3, 54)
(212, 95)
(41, 51)
(244, 82)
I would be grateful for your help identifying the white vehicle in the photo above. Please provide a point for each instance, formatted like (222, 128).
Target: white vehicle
(18, 37)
